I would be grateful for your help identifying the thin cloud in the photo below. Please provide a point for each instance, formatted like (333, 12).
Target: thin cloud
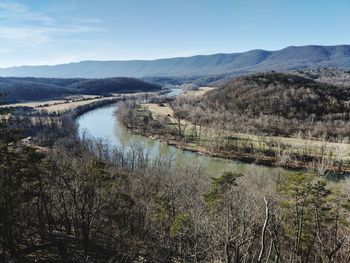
(40, 35)
(18, 12)
(20, 31)
(24, 36)
(87, 20)
(14, 7)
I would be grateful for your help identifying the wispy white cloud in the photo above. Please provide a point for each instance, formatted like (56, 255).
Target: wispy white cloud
(25, 36)
(17, 12)
(36, 35)
(14, 7)
(24, 27)
(47, 35)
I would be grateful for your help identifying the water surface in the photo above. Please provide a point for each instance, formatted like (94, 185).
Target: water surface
(102, 123)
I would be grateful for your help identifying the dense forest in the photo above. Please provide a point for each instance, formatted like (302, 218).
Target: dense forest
(333, 76)
(82, 201)
(273, 104)
(21, 89)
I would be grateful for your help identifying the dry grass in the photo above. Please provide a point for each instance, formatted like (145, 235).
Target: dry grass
(80, 97)
(63, 107)
(164, 110)
(47, 103)
(198, 92)
(59, 106)
(69, 102)
(33, 104)
(159, 110)
(296, 144)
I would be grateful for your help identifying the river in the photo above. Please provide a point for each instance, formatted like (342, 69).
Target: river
(102, 123)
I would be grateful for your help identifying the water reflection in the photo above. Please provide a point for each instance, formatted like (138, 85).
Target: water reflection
(102, 124)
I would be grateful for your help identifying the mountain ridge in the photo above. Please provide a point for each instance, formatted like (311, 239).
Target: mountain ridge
(289, 58)
(27, 89)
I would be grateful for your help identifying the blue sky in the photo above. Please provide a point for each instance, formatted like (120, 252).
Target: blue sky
(36, 32)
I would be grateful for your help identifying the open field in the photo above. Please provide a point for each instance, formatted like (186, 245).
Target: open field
(60, 105)
(72, 102)
(159, 110)
(198, 92)
(63, 107)
(164, 109)
(33, 104)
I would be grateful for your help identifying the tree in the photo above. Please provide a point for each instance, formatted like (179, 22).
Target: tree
(312, 218)
(181, 124)
(19, 187)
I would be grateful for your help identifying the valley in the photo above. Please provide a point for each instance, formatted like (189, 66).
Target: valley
(158, 121)
(129, 170)
(183, 131)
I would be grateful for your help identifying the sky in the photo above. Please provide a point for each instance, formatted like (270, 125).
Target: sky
(49, 32)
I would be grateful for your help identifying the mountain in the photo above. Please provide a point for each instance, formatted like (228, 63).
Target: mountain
(22, 89)
(290, 58)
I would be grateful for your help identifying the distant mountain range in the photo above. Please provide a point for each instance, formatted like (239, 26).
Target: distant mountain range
(290, 58)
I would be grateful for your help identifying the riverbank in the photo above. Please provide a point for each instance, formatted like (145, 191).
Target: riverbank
(158, 122)
(268, 161)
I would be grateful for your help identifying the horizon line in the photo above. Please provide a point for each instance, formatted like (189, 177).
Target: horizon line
(166, 58)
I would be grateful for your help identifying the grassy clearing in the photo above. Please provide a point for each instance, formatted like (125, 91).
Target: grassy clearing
(62, 105)
(33, 104)
(198, 92)
(159, 111)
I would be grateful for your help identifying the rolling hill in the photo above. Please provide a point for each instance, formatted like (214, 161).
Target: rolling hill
(290, 58)
(22, 89)
(282, 104)
(286, 95)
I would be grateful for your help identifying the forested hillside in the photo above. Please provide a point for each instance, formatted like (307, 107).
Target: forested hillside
(333, 76)
(21, 89)
(275, 104)
(283, 95)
